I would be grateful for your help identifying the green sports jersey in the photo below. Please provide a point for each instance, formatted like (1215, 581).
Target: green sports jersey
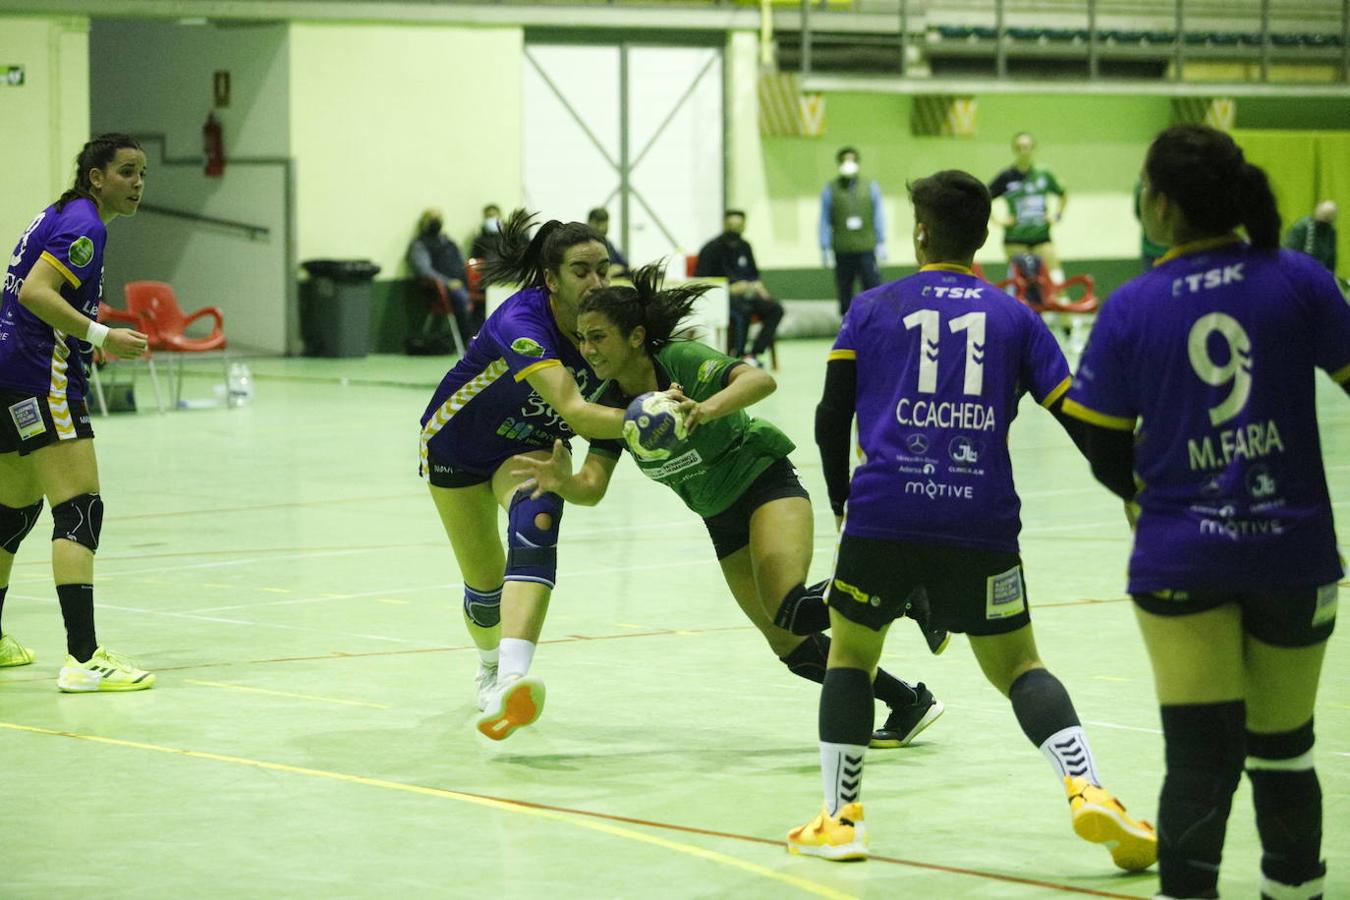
(1028, 194)
(723, 456)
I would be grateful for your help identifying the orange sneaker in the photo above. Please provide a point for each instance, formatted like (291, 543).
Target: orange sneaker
(517, 702)
(837, 838)
(1101, 818)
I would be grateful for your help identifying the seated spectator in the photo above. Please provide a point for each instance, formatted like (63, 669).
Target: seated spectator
(1315, 235)
(435, 258)
(484, 242)
(598, 219)
(729, 256)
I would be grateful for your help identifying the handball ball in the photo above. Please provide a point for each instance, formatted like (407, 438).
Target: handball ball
(653, 426)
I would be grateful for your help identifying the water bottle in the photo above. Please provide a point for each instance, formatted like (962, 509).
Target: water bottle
(239, 384)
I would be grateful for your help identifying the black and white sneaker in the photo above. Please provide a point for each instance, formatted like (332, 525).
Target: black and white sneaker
(903, 725)
(917, 608)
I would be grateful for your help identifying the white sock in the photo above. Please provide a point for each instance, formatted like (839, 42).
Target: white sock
(515, 659)
(488, 657)
(1057, 276)
(1069, 754)
(841, 768)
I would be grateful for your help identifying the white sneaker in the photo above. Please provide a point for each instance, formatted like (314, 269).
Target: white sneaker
(486, 680)
(103, 672)
(515, 703)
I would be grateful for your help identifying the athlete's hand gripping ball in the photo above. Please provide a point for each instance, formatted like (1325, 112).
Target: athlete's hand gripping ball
(654, 426)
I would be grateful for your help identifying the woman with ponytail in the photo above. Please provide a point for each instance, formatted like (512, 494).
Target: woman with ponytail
(48, 330)
(1197, 386)
(734, 473)
(520, 387)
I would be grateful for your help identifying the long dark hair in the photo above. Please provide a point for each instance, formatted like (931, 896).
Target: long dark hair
(95, 155)
(1204, 172)
(659, 311)
(516, 258)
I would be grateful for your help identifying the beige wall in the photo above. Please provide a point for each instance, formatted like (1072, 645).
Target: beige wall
(44, 122)
(387, 120)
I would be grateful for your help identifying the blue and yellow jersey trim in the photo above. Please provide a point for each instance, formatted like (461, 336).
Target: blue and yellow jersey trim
(61, 267)
(1092, 417)
(1341, 375)
(1058, 392)
(530, 370)
(454, 403)
(842, 354)
(946, 267)
(1198, 247)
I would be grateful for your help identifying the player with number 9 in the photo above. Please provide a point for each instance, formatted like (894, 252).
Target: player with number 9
(1197, 386)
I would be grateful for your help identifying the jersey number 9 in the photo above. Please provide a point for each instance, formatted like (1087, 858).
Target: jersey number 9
(1238, 369)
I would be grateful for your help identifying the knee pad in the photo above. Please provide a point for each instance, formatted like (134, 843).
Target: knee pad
(79, 519)
(532, 538)
(803, 610)
(1288, 802)
(484, 608)
(15, 523)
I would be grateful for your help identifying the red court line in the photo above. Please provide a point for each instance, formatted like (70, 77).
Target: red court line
(751, 839)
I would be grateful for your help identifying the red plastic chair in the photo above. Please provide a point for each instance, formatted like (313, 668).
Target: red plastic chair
(439, 306)
(108, 315)
(1055, 301)
(156, 307)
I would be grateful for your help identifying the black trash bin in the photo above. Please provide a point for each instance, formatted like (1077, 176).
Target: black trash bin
(335, 306)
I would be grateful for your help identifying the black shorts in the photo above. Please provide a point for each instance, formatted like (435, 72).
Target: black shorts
(27, 422)
(1294, 618)
(1030, 238)
(970, 590)
(730, 529)
(444, 476)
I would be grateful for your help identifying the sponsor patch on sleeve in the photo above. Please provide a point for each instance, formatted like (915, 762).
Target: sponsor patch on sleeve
(1003, 594)
(527, 347)
(81, 251)
(27, 418)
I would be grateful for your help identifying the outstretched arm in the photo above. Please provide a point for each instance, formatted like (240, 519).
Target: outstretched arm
(590, 420)
(554, 475)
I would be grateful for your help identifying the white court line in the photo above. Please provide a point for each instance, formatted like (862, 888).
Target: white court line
(1125, 727)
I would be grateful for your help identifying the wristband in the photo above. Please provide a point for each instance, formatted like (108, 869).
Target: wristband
(97, 333)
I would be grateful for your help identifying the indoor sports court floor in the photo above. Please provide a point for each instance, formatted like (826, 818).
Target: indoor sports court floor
(281, 568)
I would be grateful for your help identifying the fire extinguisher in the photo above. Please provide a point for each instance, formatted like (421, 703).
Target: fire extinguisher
(213, 147)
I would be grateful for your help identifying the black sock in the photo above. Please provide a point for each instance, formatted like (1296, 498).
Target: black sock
(1205, 746)
(1042, 705)
(77, 608)
(1288, 801)
(3, 591)
(809, 658)
(846, 708)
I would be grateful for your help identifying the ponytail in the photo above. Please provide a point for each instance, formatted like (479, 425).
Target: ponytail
(1204, 172)
(96, 154)
(516, 258)
(1260, 216)
(658, 311)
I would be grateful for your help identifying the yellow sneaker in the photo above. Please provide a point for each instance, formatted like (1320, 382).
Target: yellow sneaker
(12, 653)
(1101, 818)
(832, 837)
(103, 672)
(517, 702)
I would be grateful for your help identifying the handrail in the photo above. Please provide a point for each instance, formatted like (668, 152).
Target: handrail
(253, 231)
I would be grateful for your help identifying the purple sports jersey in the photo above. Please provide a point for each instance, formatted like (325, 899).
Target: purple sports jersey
(484, 411)
(35, 358)
(943, 359)
(1213, 352)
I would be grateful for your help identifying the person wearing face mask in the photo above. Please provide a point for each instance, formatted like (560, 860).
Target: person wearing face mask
(482, 245)
(852, 228)
(435, 258)
(730, 256)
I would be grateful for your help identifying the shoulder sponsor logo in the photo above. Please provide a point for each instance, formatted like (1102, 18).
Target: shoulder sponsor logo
(527, 347)
(81, 251)
(707, 369)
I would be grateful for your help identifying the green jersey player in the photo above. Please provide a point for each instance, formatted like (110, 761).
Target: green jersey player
(733, 472)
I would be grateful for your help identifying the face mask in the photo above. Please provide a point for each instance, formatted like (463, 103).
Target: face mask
(492, 226)
(434, 226)
(848, 168)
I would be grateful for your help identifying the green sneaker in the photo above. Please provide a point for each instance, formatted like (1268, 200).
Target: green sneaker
(12, 653)
(104, 672)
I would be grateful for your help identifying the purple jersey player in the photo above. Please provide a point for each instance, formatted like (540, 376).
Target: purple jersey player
(934, 366)
(48, 328)
(521, 386)
(1198, 390)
